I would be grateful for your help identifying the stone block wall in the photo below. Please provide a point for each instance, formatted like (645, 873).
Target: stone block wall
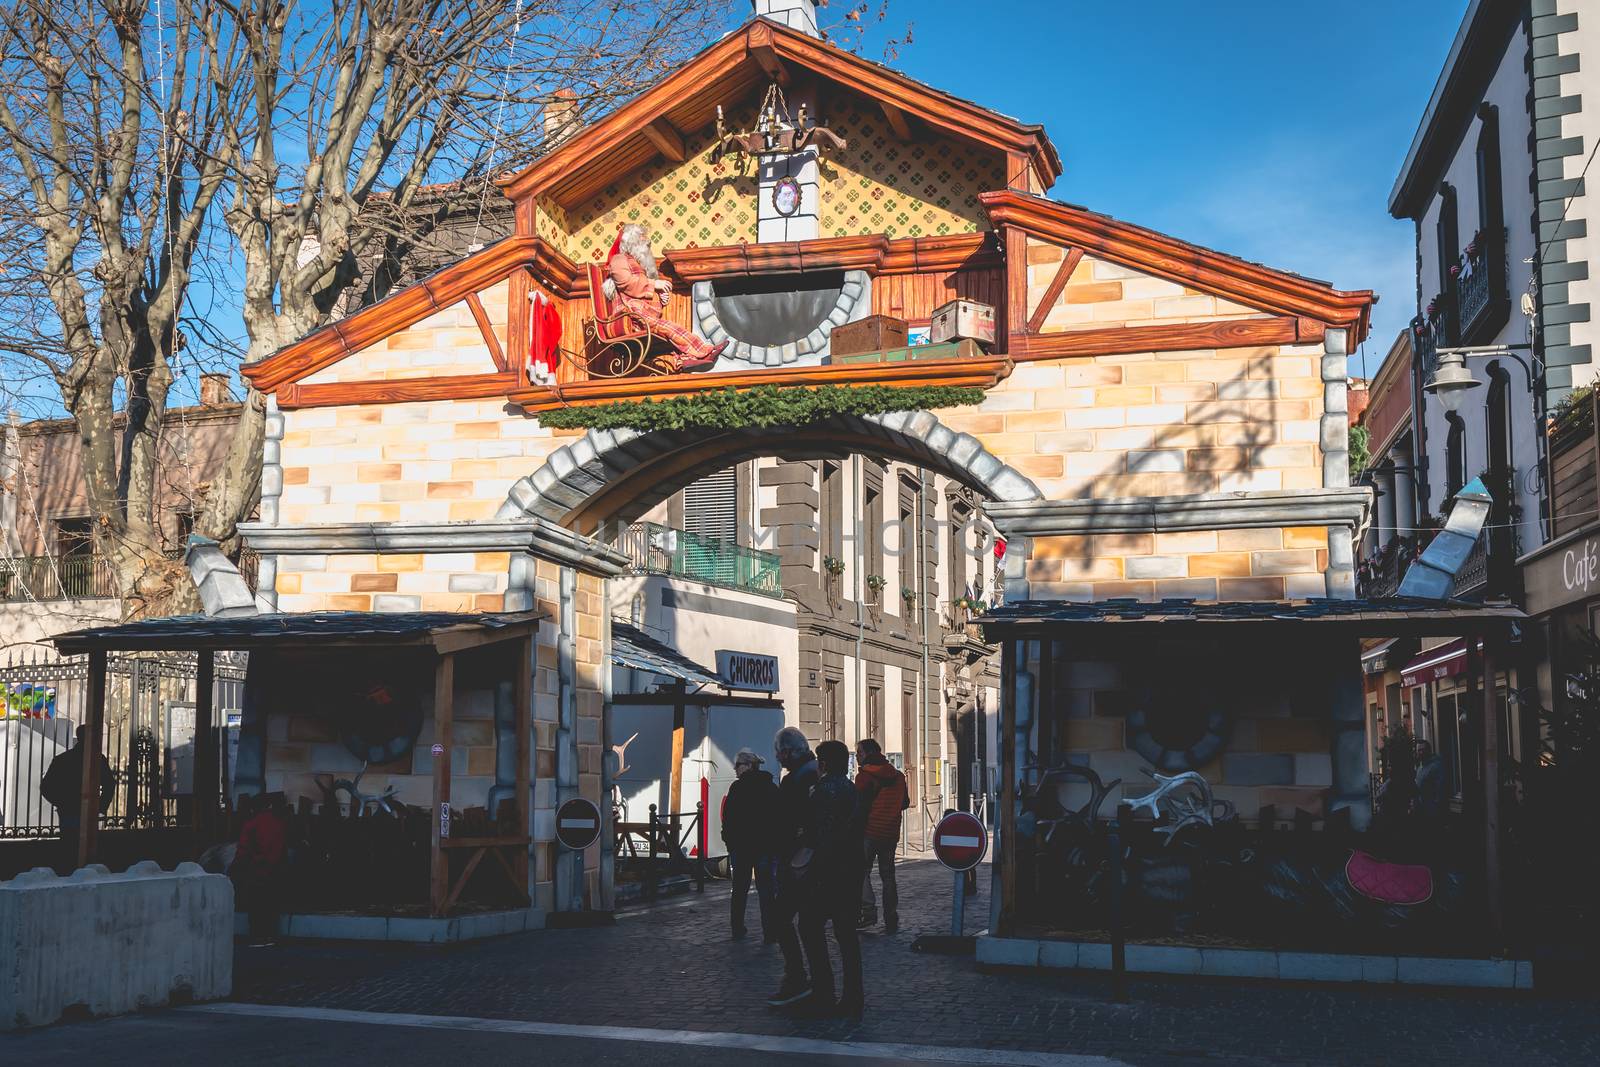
(1262, 564)
(1279, 749)
(1159, 423)
(431, 581)
(1100, 293)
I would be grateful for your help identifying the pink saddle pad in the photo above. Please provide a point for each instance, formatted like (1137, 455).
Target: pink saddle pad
(1390, 883)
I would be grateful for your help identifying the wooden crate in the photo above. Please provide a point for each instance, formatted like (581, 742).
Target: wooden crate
(875, 333)
(955, 350)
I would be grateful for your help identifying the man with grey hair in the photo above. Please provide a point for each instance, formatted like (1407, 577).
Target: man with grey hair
(749, 815)
(634, 281)
(794, 754)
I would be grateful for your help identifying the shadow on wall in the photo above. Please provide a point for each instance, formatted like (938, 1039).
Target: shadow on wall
(1220, 447)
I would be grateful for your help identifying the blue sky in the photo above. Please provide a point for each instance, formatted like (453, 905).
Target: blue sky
(1270, 129)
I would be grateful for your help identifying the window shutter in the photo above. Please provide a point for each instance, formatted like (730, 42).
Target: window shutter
(711, 507)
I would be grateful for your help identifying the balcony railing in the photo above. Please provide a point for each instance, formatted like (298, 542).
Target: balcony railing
(1380, 575)
(25, 578)
(656, 549)
(1482, 302)
(1473, 577)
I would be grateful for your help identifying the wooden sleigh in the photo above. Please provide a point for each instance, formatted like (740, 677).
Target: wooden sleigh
(617, 343)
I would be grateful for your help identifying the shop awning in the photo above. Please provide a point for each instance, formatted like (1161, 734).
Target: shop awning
(631, 647)
(1384, 656)
(1375, 660)
(1441, 661)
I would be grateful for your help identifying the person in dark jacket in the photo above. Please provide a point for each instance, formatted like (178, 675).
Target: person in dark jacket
(748, 816)
(834, 825)
(793, 859)
(62, 787)
(884, 795)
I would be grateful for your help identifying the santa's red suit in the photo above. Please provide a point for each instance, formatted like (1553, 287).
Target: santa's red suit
(637, 291)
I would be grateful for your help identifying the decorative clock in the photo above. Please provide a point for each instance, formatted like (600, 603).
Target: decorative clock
(786, 196)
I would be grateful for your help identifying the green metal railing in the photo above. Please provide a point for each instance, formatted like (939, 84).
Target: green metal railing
(656, 549)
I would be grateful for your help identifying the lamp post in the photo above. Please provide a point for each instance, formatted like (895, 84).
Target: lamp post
(1452, 381)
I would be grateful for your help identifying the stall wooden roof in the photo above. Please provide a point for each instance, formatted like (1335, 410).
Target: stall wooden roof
(441, 632)
(1380, 617)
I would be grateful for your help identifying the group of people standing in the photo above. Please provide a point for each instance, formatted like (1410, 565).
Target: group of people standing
(808, 842)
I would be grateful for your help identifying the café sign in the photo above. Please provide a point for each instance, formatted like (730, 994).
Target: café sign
(748, 670)
(1566, 573)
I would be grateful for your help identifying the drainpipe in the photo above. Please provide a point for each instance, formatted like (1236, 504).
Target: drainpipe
(860, 556)
(569, 864)
(608, 857)
(505, 747)
(922, 606)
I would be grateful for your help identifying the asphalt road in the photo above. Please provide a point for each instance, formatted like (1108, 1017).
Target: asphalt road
(204, 1035)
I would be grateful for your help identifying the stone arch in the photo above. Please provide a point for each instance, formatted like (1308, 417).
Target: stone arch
(620, 474)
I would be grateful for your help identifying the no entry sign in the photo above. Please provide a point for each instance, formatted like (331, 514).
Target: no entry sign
(960, 841)
(577, 824)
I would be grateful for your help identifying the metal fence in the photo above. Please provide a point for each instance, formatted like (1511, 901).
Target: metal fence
(658, 549)
(56, 578)
(148, 740)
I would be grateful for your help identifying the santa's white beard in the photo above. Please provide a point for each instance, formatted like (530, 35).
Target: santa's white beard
(638, 246)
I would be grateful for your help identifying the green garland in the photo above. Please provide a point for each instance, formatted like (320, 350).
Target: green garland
(765, 405)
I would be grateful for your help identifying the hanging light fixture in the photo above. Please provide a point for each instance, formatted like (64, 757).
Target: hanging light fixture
(1451, 380)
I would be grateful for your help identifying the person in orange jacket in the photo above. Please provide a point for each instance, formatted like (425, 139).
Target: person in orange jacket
(885, 797)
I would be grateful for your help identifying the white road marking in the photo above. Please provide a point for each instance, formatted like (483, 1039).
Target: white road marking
(979, 1057)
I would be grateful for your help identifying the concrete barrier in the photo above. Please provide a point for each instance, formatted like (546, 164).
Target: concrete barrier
(97, 943)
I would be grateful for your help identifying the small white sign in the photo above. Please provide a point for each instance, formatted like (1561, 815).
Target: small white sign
(748, 670)
(444, 819)
(438, 750)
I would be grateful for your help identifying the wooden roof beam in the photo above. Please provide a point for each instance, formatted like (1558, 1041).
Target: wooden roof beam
(668, 141)
(897, 120)
(767, 56)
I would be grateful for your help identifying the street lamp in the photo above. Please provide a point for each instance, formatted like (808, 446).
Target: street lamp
(1452, 381)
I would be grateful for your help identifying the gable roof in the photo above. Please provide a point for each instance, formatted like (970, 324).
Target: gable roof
(1217, 273)
(741, 63)
(328, 345)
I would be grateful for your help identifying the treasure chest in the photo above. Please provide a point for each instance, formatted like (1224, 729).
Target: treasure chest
(875, 333)
(963, 320)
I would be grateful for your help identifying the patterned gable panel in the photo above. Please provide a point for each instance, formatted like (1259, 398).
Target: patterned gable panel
(883, 185)
(685, 205)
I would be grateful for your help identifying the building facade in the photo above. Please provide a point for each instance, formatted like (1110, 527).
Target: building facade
(1496, 184)
(51, 577)
(1153, 421)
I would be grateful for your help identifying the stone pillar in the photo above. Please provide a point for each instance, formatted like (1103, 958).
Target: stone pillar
(1349, 753)
(796, 14)
(1405, 491)
(803, 225)
(1335, 410)
(271, 490)
(568, 886)
(1335, 435)
(1383, 482)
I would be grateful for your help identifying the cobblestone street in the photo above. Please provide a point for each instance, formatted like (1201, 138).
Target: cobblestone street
(674, 967)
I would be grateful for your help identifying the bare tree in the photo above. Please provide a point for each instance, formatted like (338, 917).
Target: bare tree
(312, 128)
(109, 159)
(356, 107)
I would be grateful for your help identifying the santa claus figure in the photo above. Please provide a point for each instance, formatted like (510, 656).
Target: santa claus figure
(635, 283)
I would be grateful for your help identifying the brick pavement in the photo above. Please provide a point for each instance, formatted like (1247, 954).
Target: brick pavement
(675, 967)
